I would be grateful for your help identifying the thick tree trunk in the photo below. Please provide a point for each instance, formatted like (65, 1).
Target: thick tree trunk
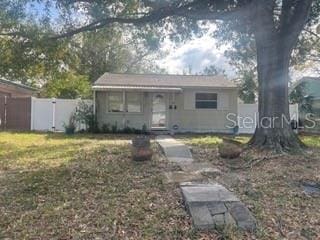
(273, 129)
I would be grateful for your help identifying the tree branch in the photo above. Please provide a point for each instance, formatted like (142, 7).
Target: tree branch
(298, 20)
(196, 10)
(313, 34)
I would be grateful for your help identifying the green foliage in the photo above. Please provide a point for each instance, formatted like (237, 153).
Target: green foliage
(299, 95)
(213, 70)
(128, 130)
(85, 115)
(248, 87)
(68, 86)
(144, 129)
(105, 128)
(71, 126)
(114, 127)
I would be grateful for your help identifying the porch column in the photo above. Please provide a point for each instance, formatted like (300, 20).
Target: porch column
(94, 103)
(124, 109)
(173, 120)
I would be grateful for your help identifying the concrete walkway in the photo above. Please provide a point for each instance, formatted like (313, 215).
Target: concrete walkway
(176, 152)
(209, 204)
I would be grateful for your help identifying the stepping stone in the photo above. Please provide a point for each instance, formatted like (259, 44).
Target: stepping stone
(242, 216)
(173, 148)
(180, 176)
(217, 208)
(201, 218)
(206, 193)
(204, 168)
(218, 202)
(180, 161)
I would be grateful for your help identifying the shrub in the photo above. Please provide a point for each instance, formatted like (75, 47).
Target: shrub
(137, 131)
(105, 128)
(85, 115)
(144, 129)
(70, 128)
(128, 130)
(114, 128)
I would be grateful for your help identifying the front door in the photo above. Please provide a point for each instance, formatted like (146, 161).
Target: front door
(159, 111)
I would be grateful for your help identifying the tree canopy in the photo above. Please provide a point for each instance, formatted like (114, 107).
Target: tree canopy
(26, 55)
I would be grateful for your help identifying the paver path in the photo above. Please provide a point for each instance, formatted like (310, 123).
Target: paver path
(210, 205)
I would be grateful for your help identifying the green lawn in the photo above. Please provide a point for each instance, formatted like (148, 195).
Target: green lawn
(54, 186)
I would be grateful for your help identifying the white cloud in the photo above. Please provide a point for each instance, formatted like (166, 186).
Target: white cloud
(197, 54)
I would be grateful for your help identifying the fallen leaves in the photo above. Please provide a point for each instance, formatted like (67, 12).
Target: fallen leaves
(269, 186)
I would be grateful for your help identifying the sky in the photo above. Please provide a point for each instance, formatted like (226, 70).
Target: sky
(196, 55)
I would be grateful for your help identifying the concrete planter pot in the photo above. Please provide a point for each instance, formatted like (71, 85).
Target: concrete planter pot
(140, 149)
(230, 149)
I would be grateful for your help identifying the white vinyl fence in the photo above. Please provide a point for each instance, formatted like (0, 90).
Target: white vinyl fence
(50, 114)
(248, 117)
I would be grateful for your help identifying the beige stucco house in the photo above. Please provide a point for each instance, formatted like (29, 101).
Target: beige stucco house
(165, 102)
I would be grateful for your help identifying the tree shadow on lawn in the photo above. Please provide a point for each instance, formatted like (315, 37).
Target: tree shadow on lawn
(34, 156)
(90, 136)
(100, 193)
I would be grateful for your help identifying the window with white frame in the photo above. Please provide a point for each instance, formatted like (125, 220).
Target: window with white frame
(206, 101)
(134, 102)
(115, 102)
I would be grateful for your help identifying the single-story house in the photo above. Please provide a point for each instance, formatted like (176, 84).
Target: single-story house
(165, 102)
(12, 89)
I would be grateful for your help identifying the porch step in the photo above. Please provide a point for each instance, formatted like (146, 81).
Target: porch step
(160, 132)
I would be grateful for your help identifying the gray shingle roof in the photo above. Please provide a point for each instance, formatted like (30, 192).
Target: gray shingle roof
(164, 80)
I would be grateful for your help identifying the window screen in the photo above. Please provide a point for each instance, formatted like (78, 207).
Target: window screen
(206, 100)
(115, 102)
(134, 103)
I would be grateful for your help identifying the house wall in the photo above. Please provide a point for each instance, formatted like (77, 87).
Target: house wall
(185, 116)
(133, 120)
(190, 119)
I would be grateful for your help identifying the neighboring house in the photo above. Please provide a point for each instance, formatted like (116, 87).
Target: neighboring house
(309, 89)
(306, 92)
(12, 89)
(165, 102)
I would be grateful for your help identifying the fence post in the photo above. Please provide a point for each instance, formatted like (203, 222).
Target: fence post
(5, 112)
(54, 101)
(32, 113)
